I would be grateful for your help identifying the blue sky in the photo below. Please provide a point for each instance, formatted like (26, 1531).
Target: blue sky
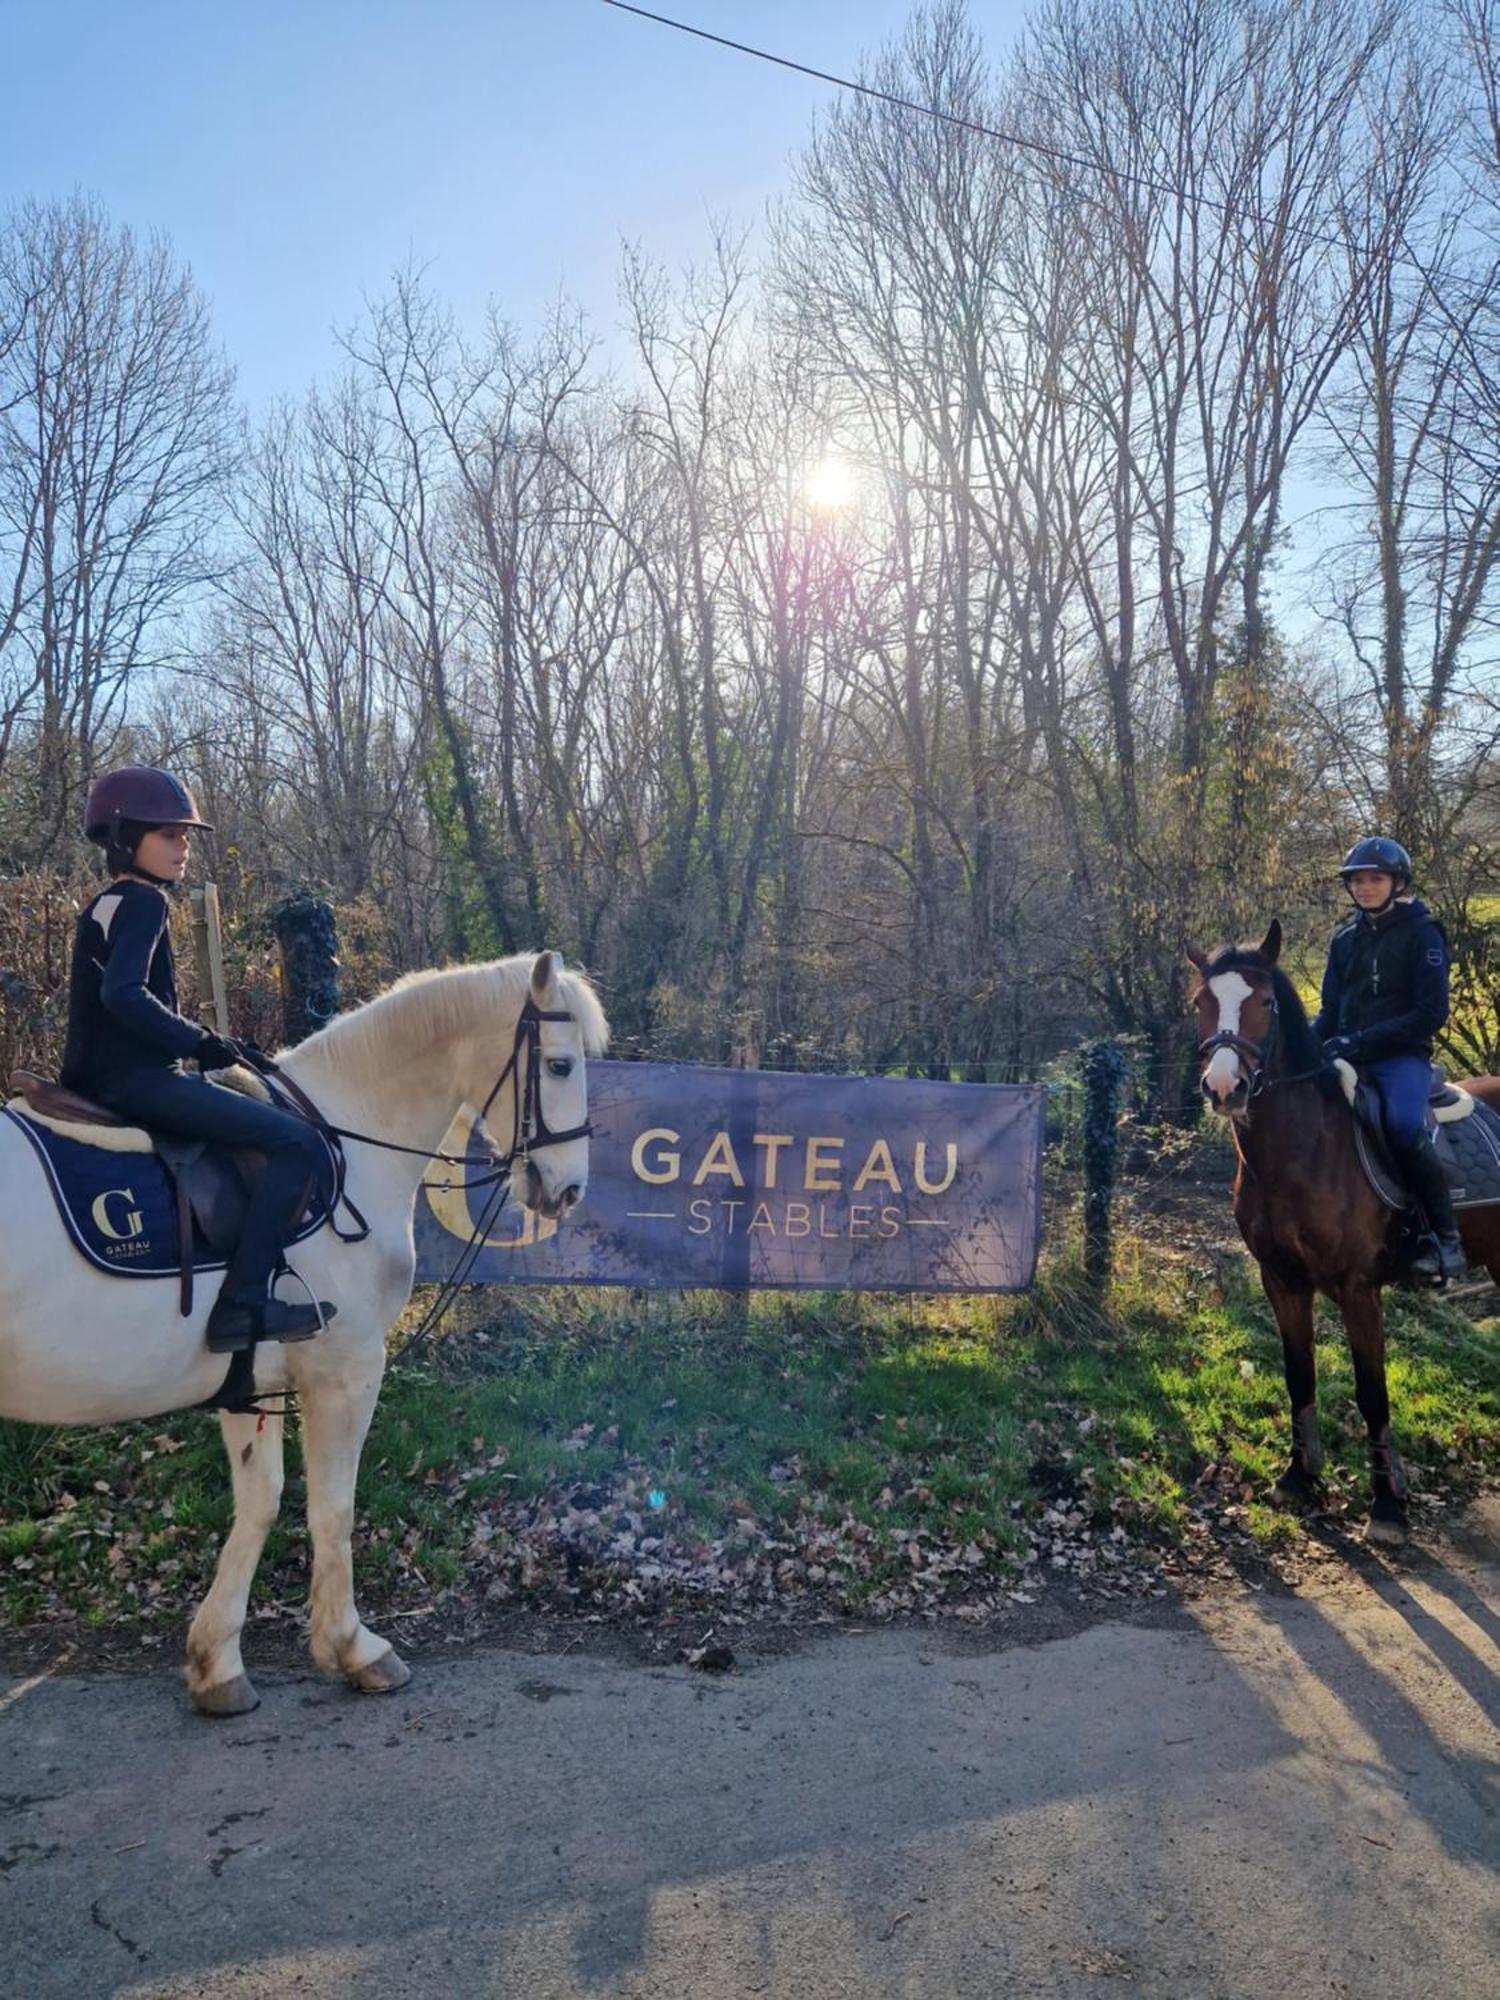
(296, 151)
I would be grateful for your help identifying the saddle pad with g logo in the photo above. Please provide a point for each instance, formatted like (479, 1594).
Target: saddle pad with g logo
(120, 1209)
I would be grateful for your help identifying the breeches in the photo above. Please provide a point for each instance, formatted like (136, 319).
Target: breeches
(190, 1107)
(1404, 1083)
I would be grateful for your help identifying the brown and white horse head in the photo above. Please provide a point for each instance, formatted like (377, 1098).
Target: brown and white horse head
(1236, 1007)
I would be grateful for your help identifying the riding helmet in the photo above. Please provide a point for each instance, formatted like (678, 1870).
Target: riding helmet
(142, 794)
(1389, 856)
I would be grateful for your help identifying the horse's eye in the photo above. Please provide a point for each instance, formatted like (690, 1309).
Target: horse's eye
(560, 1065)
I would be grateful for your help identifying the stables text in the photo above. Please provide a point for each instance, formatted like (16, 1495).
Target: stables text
(783, 1183)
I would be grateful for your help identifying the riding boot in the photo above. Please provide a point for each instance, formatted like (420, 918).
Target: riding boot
(239, 1321)
(245, 1310)
(1442, 1258)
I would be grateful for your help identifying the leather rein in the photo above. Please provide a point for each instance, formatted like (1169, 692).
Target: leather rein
(530, 1131)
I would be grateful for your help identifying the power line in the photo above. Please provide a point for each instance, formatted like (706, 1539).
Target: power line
(1019, 140)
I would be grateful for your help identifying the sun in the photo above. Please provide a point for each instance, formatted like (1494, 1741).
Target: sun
(830, 485)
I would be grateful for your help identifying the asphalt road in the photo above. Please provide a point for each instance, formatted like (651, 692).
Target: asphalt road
(1261, 1796)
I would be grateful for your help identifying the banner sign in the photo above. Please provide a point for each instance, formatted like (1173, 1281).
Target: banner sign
(740, 1180)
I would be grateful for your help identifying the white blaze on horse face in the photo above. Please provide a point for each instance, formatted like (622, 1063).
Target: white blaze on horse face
(1223, 1073)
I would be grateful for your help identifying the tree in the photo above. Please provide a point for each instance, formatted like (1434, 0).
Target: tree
(116, 438)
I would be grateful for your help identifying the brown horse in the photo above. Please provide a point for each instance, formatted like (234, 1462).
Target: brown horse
(1304, 1207)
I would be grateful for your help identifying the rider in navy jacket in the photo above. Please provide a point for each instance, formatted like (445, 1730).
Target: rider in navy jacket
(1384, 999)
(127, 1044)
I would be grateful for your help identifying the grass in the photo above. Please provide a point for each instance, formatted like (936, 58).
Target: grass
(959, 1419)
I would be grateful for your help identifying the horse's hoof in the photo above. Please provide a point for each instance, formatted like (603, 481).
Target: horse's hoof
(1295, 1491)
(1387, 1525)
(236, 1697)
(382, 1676)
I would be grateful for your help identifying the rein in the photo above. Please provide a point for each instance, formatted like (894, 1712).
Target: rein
(530, 1132)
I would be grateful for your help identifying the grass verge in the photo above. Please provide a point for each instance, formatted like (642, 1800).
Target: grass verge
(885, 1454)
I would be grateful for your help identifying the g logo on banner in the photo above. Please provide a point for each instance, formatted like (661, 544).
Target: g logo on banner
(450, 1204)
(104, 1222)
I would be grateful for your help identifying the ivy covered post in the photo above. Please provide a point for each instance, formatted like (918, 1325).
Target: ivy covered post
(308, 937)
(1103, 1081)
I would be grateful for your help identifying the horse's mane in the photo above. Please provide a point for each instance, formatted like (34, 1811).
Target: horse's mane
(443, 1001)
(1300, 1047)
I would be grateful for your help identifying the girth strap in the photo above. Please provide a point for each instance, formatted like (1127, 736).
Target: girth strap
(184, 1244)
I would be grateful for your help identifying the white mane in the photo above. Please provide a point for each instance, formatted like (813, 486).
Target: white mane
(442, 1001)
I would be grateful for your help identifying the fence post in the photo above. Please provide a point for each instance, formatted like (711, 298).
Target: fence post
(1103, 1078)
(208, 956)
(308, 937)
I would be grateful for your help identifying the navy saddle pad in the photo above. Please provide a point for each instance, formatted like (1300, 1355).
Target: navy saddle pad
(120, 1209)
(1468, 1148)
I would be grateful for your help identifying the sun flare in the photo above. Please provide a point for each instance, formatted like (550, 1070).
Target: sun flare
(830, 484)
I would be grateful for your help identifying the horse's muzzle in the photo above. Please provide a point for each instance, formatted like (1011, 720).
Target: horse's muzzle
(534, 1195)
(1227, 1101)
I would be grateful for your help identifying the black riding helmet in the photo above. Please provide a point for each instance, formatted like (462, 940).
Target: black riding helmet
(125, 804)
(1375, 851)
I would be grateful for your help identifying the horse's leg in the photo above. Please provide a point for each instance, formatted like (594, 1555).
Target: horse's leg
(1293, 1307)
(1480, 1230)
(1364, 1321)
(336, 1412)
(215, 1672)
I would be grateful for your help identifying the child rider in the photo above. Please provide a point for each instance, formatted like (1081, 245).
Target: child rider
(127, 1045)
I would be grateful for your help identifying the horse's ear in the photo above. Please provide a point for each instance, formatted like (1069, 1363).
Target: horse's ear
(544, 973)
(1270, 945)
(1196, 958)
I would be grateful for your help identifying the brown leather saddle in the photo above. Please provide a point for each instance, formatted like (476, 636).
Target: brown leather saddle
(211, 1183)
(52, 1100)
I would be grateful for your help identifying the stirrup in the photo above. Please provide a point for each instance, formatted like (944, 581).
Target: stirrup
(1437, 1261)
(240, 1323)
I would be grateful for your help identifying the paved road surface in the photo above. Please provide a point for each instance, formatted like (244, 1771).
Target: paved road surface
(1268, 1796)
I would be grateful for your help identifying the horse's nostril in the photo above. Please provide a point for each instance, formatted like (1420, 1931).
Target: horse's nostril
(572, 1196)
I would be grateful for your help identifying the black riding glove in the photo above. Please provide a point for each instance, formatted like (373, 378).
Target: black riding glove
(1342, 1047)
(217, 1052)
(255, 1057)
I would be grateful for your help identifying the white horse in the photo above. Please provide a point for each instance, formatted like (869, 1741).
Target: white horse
(78, 1346)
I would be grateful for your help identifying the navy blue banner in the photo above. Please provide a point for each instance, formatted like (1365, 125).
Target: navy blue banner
(740, 1180)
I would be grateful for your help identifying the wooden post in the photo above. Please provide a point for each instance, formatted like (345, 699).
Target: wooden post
(208, 955)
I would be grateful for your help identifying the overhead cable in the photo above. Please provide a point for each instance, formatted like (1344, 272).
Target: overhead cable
(1023, 143)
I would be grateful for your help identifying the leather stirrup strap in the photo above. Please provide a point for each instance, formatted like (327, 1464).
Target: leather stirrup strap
(184, 1246)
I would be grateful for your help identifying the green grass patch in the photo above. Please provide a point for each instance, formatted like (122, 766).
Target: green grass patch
(959, 1420)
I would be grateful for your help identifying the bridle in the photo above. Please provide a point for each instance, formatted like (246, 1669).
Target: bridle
(1257, 1055)
(529, 1129)
(530, 1132)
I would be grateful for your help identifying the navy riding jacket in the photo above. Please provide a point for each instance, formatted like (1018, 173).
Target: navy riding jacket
(122, 999)
(1386, 983)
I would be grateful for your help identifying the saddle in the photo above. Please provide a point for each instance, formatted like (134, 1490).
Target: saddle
(179, 1209)
(1464, 1132)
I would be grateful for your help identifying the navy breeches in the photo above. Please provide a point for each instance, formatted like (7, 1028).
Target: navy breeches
(1405, 1084)
(190, 1107)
